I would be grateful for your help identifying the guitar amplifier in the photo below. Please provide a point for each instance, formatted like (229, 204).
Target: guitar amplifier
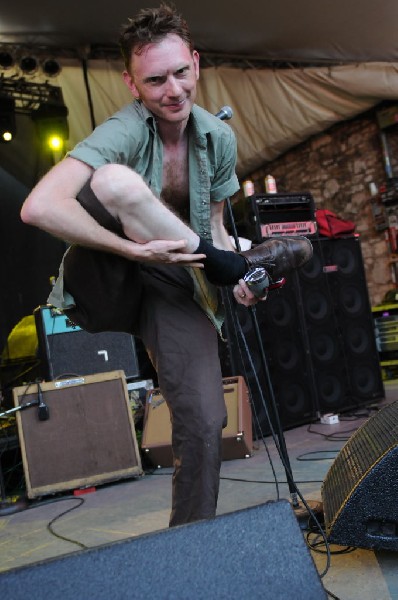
(237, 436)
(87, 437)
(278, 214)
(67, 350)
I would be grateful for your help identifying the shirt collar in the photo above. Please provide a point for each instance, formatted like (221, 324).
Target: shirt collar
(200, 120)
(203, 121)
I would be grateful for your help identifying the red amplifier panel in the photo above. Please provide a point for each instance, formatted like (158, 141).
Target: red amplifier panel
(289, 228)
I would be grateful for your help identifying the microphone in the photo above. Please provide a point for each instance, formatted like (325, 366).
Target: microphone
(44, 412)
(225, 113)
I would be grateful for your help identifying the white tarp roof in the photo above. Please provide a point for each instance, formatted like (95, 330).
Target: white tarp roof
(291, 30)
(274, 108)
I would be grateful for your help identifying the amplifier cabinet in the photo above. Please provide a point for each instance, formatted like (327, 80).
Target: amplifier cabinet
(318, 337)
(87, 439)
(263, 215)
(237, 437)
(66, 350)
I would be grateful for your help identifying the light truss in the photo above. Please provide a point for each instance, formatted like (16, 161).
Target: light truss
(28, 95)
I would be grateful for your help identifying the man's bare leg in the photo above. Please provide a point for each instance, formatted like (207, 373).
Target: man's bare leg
(143, 216)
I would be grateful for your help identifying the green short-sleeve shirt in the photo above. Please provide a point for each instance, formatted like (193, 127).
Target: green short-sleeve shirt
(130, 138)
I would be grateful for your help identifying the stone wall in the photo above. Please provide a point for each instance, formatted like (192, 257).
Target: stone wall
(337, 167)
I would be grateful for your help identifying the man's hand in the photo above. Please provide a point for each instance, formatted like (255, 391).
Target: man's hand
(243, 294)
(166, 252)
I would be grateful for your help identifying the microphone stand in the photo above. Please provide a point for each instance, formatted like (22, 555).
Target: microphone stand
(302, 510)
(226, 113)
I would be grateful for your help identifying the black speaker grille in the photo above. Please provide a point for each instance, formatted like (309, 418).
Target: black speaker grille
(318, 336)
(66, 350)
(364, 449)
(82, 353)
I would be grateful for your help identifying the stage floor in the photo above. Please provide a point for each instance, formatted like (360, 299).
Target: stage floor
(130, 508)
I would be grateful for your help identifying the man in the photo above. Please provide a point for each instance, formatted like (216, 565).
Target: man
(130, 189)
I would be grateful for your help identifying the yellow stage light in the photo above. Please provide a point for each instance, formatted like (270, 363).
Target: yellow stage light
(7, 136)
(55, 142)
(52, 125)
(7, 119)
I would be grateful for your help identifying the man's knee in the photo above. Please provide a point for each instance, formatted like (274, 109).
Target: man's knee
(116, 184)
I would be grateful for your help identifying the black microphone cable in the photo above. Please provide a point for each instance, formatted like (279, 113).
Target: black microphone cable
(44, 411)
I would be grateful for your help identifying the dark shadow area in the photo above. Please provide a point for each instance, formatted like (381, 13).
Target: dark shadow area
(29, 257)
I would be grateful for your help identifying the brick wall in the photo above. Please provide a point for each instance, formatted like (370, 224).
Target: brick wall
(337, 167)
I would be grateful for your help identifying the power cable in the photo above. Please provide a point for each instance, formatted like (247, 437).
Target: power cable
(65, 512)
(301, 457)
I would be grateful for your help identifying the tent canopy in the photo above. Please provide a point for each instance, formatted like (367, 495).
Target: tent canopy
(274, 30)
(342, 59)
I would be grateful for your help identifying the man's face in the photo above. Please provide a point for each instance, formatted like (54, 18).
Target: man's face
(164, 77)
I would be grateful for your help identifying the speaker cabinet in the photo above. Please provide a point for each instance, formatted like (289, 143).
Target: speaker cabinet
(66, 350)
(340, 327)
(237, 438)
(360, 490)
(259, 552)
(318, 337)
(87, 439)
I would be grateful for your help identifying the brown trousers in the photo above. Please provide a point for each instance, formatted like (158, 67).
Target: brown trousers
(182, 344)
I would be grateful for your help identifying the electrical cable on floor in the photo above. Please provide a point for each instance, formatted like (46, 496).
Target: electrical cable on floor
(353, 416)
(334, 436)
(331, 595)
(267, 482)
(315, 543)
(238, 479)
(65, 512)
(301, 457)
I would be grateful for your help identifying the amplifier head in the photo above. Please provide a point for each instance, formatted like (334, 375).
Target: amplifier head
(263, 215)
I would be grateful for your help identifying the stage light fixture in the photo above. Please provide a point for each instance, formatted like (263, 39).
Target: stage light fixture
(55, 142)
(6, 60)
(28, 65)
(51, 67)
(52, 125)
(8, 127)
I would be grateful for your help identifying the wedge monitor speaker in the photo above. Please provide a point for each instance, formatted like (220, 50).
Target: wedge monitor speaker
(361, 488)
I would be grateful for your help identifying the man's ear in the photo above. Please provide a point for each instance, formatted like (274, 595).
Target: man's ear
(195, 57)
(129, 81)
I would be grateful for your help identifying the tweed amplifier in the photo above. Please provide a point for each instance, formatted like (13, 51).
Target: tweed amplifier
(86, 438)
(237, 439)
